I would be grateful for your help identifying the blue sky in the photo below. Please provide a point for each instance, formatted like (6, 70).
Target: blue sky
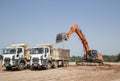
(38, 21)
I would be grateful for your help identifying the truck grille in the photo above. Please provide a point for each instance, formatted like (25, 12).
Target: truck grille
(35, 60)
(7, 60)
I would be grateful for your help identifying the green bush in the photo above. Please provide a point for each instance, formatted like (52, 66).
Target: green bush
(110, 58)
(118, 57)
(75, 58)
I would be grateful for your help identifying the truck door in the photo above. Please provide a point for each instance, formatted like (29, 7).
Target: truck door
(20, 53)
(47, 53)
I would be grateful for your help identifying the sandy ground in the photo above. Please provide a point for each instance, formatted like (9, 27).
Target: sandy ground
(108, 72)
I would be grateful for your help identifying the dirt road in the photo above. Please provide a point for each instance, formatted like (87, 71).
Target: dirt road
(70, 73)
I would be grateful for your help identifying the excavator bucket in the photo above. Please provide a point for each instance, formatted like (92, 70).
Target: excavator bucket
(60, 37)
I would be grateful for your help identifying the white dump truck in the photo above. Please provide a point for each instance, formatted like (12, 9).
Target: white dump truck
(46, 56)
(16, 56)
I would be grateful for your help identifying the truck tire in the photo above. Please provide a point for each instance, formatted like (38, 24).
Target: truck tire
(48, 66)
(8, 68)
(21, 66)
(55, 64)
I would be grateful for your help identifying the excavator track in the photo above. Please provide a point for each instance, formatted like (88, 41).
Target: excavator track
(87, 63)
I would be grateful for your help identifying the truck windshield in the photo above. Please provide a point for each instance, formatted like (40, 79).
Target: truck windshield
(9, 51)
(37, 51)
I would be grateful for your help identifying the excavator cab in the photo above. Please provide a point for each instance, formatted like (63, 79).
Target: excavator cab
(93, 55)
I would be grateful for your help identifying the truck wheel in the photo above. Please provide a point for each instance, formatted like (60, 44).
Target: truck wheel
(55, 64)
(48, 66)
(8, 68)
(21, 66)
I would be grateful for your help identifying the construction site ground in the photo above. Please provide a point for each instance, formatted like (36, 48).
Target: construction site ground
(108, 72)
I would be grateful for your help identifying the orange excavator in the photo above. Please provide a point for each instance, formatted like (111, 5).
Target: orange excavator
(91, 57)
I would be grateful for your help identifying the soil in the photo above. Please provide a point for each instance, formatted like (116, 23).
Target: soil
(107, 72)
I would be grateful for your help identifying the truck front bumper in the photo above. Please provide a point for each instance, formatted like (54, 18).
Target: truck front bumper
(10, 63)
(39, 63)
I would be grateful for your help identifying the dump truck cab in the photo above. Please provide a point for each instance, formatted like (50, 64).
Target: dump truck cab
(40, 56)
(16, 56)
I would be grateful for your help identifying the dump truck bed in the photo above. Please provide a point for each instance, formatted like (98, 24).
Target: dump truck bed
(60, 54)
(57, 53)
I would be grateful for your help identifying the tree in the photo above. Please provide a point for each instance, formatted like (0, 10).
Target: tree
(118, 57)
